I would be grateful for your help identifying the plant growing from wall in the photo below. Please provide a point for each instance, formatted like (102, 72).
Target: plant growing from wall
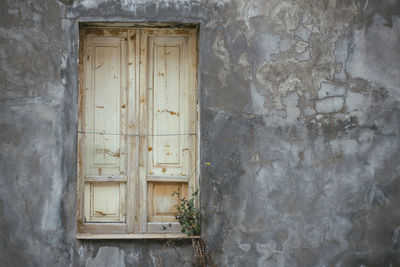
(188, 217)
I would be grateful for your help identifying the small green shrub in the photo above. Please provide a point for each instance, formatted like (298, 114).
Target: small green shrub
(188, 216)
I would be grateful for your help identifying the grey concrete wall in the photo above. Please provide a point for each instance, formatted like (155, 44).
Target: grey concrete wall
(300, 120)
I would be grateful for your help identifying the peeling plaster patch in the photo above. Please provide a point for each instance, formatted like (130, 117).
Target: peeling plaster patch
(355, 101)
(55, 92)
(301, 47)
(377, 197)
(308, 111)
(265, 249)
(132, 5)
(249, 9)
(356, 104)
(291, 18)
(311, 28)
(50, 219)
(338, 233)
(341, 75)
(107, 256)
(255, 158)
(328, 105)
(132, 257)
(265, 180)
(88, 3)
(303, 33)
(245, 247)
(335, 147)
(365, 140)
(269, 45)
(396, 236)
(66, 24)
(305, 56)
(285, 44)
(291, 84)
(381, 152)
(269, 252)
(244, 67)
(154, 258)
(13, 11)
(376, 54)
(292, 111)
(277, 82)
(349, 147)
(219, 2)
(341, 54)
(284, 15)
(328, 89)
(257, 101)
(222, 53)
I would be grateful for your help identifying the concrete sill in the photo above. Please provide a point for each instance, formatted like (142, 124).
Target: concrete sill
(135, 236)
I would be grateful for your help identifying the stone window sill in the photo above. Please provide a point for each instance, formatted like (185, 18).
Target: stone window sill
(135, 236)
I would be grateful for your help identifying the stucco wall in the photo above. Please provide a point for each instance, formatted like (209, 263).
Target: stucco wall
(300, 120)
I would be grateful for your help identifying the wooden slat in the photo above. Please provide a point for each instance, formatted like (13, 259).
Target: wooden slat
(106, 32)
(81, 138)
(157, 178)
(161, 227)
(168, 32)
(102, 228)
(136, 172)
(94, 178)
(122, 202)
(131, 142)
(194, 111)
(143, 128)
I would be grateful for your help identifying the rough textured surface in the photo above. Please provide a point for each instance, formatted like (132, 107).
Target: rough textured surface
(300, 120)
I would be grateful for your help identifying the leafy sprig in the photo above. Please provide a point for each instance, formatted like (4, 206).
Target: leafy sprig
(188, 216)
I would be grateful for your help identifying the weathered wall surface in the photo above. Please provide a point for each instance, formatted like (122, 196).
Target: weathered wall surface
(300, 120)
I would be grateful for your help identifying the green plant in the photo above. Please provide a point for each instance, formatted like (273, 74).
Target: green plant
(188, 216)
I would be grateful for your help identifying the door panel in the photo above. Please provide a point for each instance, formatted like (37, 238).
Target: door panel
(102, 137)
(168, 107)
(161, 204)
(171, 134)
(105, 202)
(105, 115)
